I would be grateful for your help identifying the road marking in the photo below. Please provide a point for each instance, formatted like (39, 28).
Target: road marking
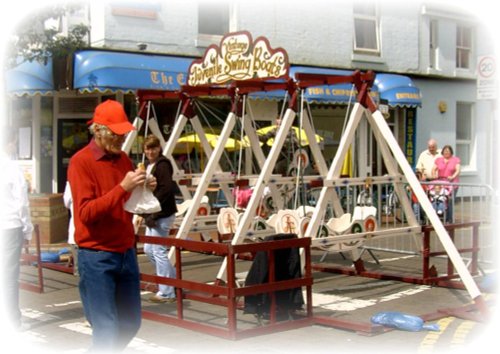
(461, 333)
(69, 303)
(79, 327)
(396, 258)
(345, 303)
(427, 344)
(136, 343)
(37, 315)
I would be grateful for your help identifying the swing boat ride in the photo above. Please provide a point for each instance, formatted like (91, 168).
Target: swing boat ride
(343, 230)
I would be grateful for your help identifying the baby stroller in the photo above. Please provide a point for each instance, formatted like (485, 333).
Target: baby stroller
(439, 195)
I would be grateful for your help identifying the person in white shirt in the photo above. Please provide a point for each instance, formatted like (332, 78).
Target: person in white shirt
(425, 162)
(15, 228)
(68, 203)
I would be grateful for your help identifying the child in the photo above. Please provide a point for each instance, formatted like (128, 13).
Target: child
(438, 195)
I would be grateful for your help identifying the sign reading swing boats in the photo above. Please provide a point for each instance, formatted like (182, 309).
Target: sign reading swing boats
(239, 58)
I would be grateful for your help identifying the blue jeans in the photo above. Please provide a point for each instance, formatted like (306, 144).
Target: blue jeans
(416, 211)
(158, 254)
(110, 293)
(11, 246)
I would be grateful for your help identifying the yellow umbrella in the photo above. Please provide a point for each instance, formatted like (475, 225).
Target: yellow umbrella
(189, 141)
(347, 167)
(298, 132)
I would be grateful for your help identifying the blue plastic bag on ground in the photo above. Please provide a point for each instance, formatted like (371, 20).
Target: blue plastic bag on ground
(489, 283)
(402, 321)
(64, 250)
(49, 257)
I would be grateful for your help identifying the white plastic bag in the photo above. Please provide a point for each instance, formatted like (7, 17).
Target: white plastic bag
(142, 201)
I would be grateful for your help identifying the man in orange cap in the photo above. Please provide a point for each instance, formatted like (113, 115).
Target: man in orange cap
(102, 178)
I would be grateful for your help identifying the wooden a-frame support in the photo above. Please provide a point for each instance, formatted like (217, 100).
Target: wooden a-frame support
(388, 144)
(212, 167)
(391, 152)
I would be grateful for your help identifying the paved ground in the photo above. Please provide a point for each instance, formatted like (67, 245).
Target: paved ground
(57, 323)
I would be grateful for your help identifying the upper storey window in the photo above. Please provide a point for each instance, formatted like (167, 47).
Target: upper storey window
(464, 47)
(213, 18)
(366, 28)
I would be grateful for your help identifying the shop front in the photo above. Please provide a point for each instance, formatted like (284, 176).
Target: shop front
(330, 105)
(52, 124)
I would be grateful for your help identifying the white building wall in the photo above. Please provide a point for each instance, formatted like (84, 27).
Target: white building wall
(320, 33)
(442, 126)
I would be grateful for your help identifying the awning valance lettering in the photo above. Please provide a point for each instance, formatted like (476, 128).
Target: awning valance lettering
(398, 90)
(331, 94)
(110, 71)
(101, 71)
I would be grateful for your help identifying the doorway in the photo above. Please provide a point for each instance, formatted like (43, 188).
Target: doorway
(72, 135)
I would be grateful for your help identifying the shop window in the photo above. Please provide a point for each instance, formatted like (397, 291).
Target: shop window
(21, 122)
(465, 134)
(464, 47)
(366, 28)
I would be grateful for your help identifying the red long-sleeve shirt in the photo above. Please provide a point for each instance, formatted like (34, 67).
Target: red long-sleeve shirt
(101, 221)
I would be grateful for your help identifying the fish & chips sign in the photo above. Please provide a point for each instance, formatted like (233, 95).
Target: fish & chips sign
(239, 58)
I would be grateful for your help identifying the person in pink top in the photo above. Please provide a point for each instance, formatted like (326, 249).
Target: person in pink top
(447, 169)
(447, 166)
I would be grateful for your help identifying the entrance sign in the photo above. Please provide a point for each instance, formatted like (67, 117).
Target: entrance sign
(486, 78)
(239, 58)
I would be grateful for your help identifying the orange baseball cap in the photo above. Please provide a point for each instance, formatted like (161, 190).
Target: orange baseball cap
(112, 115)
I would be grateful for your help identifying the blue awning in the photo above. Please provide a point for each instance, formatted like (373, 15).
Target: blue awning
(111, 71)
(332, 94)
(30, 78)
(398, 90)
(341, 93)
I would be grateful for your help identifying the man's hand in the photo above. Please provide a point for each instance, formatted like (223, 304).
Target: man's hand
(133, 179)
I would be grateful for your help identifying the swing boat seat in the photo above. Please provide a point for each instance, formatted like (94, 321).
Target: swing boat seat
(228, 220)
(363, 219)
(364, 211)
(305, 210)
(340, 225)
(285, 221)
(203, 209)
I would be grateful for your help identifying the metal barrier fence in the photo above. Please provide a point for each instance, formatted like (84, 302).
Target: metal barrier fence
(465, 203)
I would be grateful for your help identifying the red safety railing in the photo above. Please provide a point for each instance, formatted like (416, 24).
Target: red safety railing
(227, 293)
(430, 273)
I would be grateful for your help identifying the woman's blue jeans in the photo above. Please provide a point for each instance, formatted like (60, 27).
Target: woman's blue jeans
(110, 293)
(158, 254)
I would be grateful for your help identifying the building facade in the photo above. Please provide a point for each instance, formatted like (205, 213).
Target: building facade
(426, 51)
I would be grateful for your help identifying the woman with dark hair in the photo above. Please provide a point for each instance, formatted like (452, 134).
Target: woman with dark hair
(159, 224)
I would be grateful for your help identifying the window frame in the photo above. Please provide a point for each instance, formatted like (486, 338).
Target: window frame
(433, 44)
(461, 48)
(470, 143)
(206, 39)
(365, 17)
